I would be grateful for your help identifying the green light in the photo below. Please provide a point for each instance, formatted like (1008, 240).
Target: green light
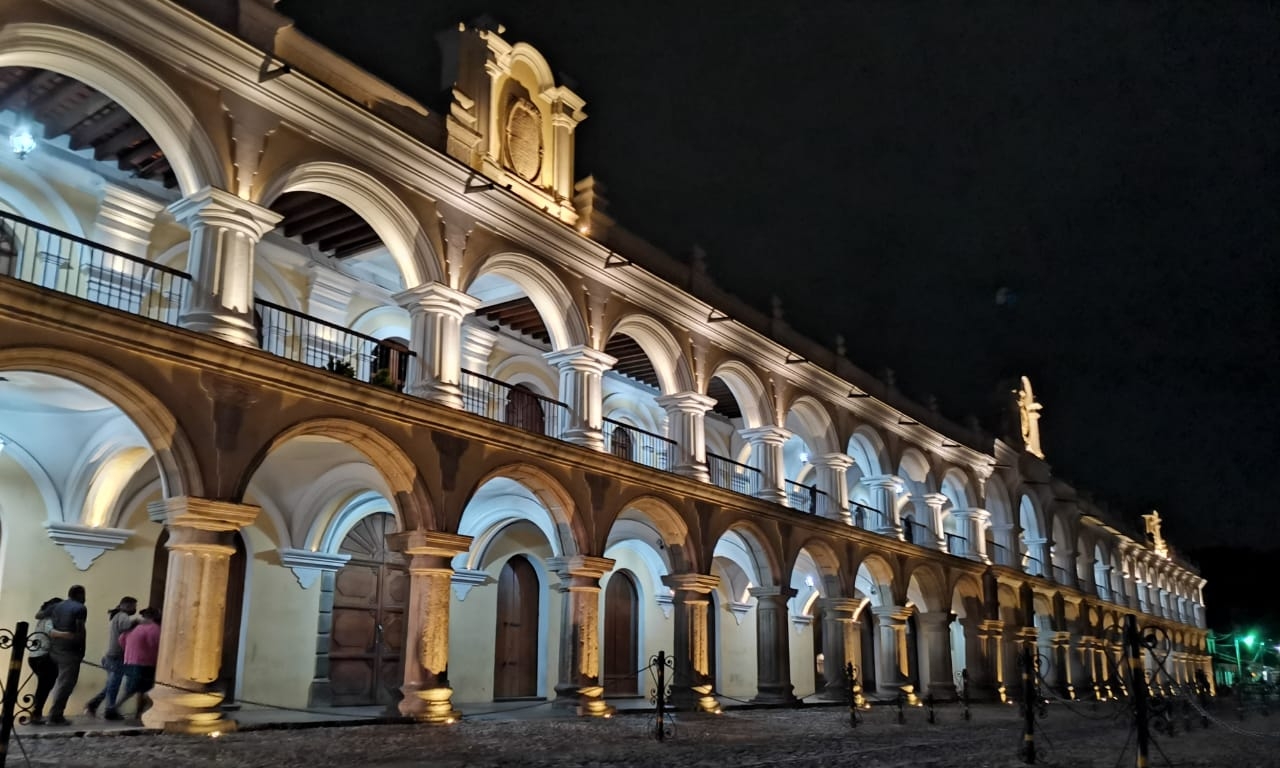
(1248, 640)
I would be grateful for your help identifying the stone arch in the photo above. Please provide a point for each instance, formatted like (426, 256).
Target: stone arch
(662, 349)
(956, 487)
(813, 424)
(763, 559)
(400, 231)
(874, 581)
(179, 470)
(749, 392)
(44, 203)
(1031, 517)
(666, 529)
(536, 62)
(868, 450)
(344, 495)
(562, 527)
(997, 502)
(408, 495)
(827, 564)
(926, 588)
(914, 468)
(133, 85)
(552, 298)
(383, 323)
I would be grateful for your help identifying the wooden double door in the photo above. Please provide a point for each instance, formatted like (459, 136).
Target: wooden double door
(366, 642)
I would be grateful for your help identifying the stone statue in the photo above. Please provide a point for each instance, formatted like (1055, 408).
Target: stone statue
(1153, 530)
(1029, 411)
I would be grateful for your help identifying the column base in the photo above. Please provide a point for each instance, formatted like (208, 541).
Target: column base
(775, 695)
(836, 691)
(587, 701)
(772, 494)
(695, 698)
(433, 706)
(232, 328)
(697, 472)
(193, 712)
(892, 531)
(587, 438)
(448, 395)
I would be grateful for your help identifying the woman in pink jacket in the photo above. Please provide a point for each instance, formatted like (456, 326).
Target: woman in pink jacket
(141, 647)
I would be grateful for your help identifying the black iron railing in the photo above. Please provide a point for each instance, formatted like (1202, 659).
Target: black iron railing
(37, 254)
(311, 341)
(806, 498)
(733, 476)
(867, 518)
(1060, 575)
(957, 545)
(516, 405)
(635, 444)
(999, 554)
(1032, 565)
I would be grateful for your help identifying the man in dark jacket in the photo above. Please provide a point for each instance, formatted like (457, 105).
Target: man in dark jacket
(66, 648)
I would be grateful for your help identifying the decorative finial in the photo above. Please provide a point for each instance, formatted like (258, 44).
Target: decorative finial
(1152, 520)
(1029, 413)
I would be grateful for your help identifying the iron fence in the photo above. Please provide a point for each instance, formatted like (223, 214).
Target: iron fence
(311, 341)
(43, 256)
(957, 545)
(806, 498)
(999, 554)
(733, 476)
(635, 444)
(513, 404)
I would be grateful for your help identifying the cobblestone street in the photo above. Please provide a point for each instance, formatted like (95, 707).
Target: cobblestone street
(813, 736)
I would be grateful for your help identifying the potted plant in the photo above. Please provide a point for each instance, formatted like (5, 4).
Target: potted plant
(341, 367)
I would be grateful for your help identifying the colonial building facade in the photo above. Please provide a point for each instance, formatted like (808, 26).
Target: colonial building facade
(381, 405)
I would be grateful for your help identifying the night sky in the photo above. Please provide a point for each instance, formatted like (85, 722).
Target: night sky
(1083, 192)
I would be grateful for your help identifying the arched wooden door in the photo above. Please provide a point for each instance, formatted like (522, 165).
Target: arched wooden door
(369, 597)
(515, 649)
(226, 681)
(524, 410)
(621, 635)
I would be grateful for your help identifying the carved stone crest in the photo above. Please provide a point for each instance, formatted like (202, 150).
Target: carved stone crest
(523, 145)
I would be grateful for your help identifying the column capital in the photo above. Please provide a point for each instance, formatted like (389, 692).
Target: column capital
(934, 500)
(836, 461)
(846, 607)
(766, 435)
(428, 543)
(580, 566)
(697, 583)
(891, 483)
(307, 565)
(971, 513)
(215, 207)
(438, 298)
(786, 593)
(202, 514)
(690, 402)
(934, 619)
(581, 358)
(892, 614)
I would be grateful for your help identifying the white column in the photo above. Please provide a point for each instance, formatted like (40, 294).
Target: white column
(428, 697)
(841, 643)
(580, 370)
(884, 490)
(766, 443)
(691, 683)
(892, 661)
(1039, 549)
(224, 231)
(195, 604)
(934, 650)
(773, 654)
(435, 336)
(686, 421)
(935, 502)
(972, 524)
(477, 345)
(832, 469)
(125, 220)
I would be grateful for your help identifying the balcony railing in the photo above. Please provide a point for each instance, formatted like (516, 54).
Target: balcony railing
(59, 261)
(867, 518)
(1060, 575)
(957, 545)
(1032, 565)
(516, 405)
(999, 554)
(733, 476)
(919, 534)
(806, 498)
(315, 342)
(635, 444)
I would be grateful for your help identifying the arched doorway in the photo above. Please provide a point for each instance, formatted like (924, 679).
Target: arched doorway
(524, 410)
(231, 622)
(621, 636)
(369, 596)
(515, 651)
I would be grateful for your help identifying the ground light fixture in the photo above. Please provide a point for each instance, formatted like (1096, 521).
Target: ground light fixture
(22, 142)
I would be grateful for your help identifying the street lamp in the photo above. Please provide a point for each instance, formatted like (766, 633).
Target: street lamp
(1248, 642)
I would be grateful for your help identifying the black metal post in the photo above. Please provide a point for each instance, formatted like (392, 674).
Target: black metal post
(964, 693)
(1028, 707)
(660, 729)
(929, 707)
(13, 680)
(901, 702)
(1136, 649)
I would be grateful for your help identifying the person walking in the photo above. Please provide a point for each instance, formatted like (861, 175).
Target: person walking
(66, 648)
(42, 666)
(141, 649)
(120, 620)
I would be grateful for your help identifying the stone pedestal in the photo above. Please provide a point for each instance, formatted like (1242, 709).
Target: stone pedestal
(686, 417)
(579, 682)
(580, 370)
(224, 232)
(195, 603)
(691, 683)
(436, 312)
(427, 695)
(773, 649)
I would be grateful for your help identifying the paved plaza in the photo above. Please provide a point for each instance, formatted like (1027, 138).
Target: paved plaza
(812, 736)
